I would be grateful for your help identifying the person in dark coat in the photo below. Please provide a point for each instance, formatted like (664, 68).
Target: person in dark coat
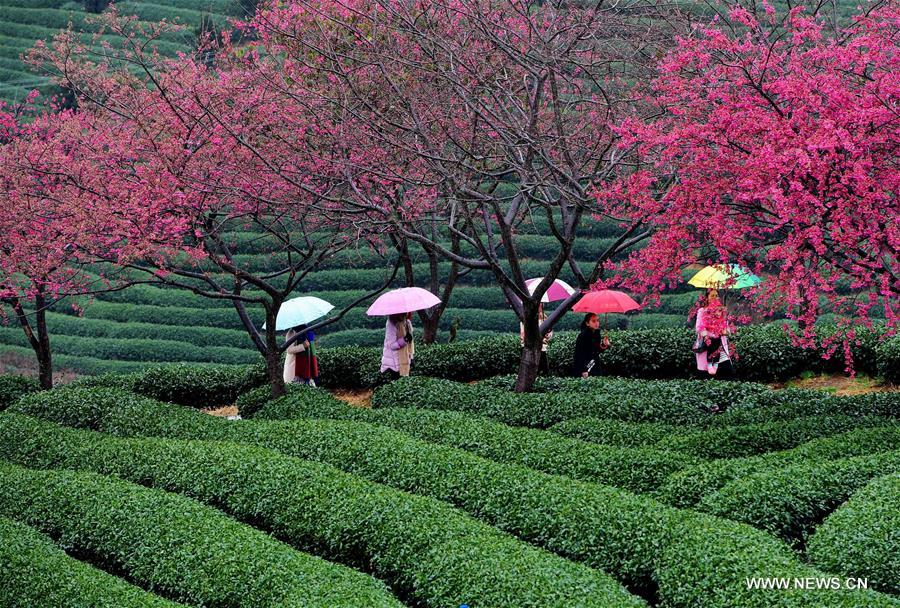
(588, 347)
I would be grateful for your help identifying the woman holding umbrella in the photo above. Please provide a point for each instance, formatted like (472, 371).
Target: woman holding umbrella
(588, 347)
(300, 362)
(399, 304)
(589, 344)
(399, 349)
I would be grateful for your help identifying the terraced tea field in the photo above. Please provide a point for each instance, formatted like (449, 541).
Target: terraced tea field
(606, 493)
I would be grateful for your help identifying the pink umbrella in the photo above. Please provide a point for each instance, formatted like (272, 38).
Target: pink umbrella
(559, 289)
(406, 299)
(605, 301)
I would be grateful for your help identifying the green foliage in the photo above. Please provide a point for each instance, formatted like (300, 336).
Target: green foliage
(136, 349)
(687, 487)
(614, 432)
(792, 403)
(196, 335)
(634, 469)
(888, 358)
(35, 572)
(790, 501)
(751, 439)
(689, 559)
(422, 547)
(181, 549)
(12, 387)
(199, 387)
(861, 538)
(685, 402)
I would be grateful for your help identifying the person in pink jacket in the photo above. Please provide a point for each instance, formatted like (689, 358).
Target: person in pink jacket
(399, 350)
(711, 347)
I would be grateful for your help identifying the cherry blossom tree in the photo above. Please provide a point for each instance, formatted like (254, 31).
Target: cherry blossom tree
(490, 112)
(200, 162)
(42, 223)
(775, 145)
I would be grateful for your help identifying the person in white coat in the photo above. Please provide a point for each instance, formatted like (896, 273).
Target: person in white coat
(290, 358)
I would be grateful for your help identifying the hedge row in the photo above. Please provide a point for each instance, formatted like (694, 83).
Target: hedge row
(644, 402)
(55, 19)
(794, 403)
(60, 324)
(678, 557)
(179, 548)
(888, 358)
(790, 501)
(136, 349)
(160, 315)
(420, 546)
(615, 432)
(633, 469)
(190, 385)
(35, 572)
(750, 439)
(687, 487)
(861, 538)
(12, 387)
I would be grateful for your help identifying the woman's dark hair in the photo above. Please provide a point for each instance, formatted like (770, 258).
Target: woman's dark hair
(299, 328)
(587, 319)
(397, 317)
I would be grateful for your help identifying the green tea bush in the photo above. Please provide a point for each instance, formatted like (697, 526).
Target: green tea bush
(179, 548)
(790, 501)
(687, 487)
(422, 547)
(615, 432)
(35, 572)
(12, 387)
(888, 358)
(860, 539)
(161, 315)
(642, 403)
(788, 404)
(60, 324)
(750, 439)
(634, 469)
(679, 557)
(199, 387)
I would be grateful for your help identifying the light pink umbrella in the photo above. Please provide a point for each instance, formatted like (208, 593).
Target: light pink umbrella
(605, 301)
(559, 289)
(406, 299)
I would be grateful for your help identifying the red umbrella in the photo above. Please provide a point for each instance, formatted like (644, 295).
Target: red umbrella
(605, 301)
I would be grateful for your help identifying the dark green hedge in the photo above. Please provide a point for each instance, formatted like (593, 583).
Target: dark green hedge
(792, 403)
(34, 573)
(687, 487)
(615, 432)
(790, 501)
(60, 324)
(679, 557)
(750, 439)
(422, 547)
(137, 349)
(861, 538)
(633, 469)
(888, 357)
(12, 387)
(177, 547)
(643, 401)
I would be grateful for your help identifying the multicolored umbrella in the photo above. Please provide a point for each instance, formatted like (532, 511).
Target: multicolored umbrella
(300, 311)
(558, 290)
(605, 301)
(716, 277)
(405, 299)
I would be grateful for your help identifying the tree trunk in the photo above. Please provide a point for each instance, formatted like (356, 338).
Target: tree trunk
(430, 328)
(45, 363)
(531, 353)
(38, 337)
(274, 368)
